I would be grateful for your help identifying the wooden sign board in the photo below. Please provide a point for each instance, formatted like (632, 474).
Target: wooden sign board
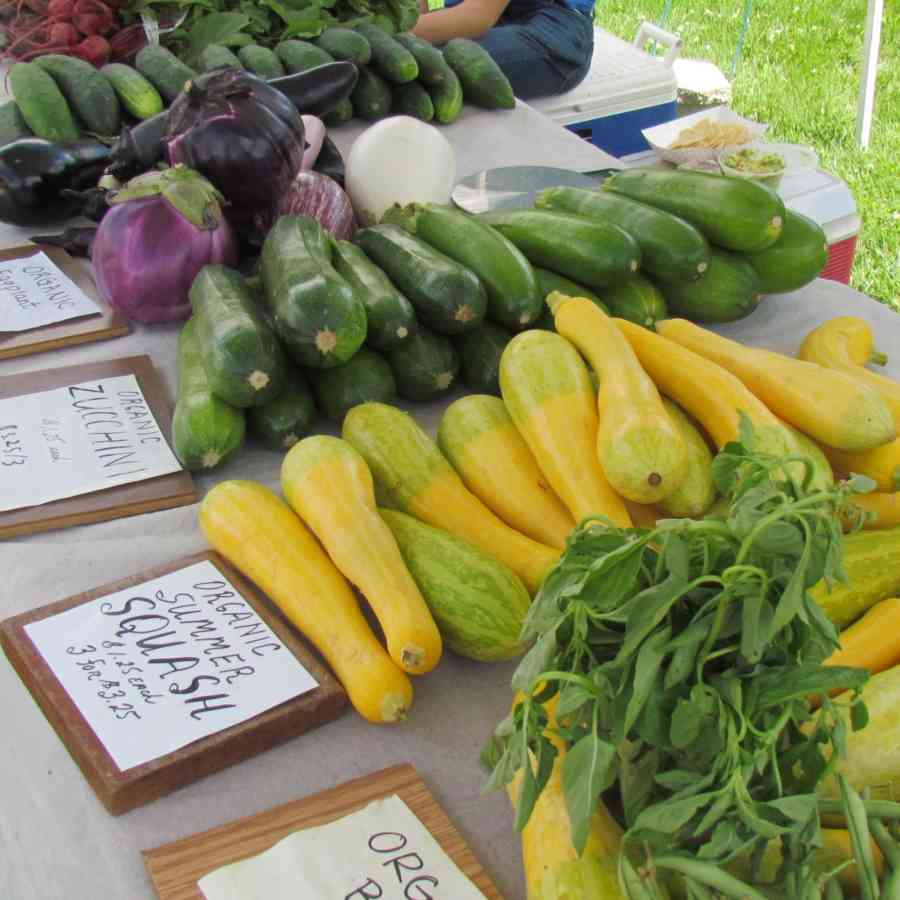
(176, 868)
(121, 791)
(164, 492)
(108, 324)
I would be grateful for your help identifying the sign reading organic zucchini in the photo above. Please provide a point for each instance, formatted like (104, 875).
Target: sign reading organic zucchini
(381, 851)
(162, 664)
(34, 292)
(78, 439)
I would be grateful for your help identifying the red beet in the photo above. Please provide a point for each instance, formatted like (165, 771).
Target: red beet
(91, 17)
(127, 42)
(60, 10)
(93, 49)
(64, 34)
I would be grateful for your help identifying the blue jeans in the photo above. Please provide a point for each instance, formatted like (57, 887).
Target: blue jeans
(543, 49)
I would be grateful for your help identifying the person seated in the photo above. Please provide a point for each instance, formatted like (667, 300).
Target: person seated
(543, 46)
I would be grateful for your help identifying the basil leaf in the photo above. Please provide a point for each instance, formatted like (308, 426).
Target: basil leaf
(671, 816)
(588, 769)
(535, 662)
(649, 659)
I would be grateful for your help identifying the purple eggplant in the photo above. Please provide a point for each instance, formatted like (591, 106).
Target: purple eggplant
(321, 198)
(161, 229)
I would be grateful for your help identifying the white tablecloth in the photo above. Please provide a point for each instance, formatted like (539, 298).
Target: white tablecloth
(56, 840)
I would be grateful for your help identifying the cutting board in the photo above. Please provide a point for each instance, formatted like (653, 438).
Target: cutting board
(176, 868)
(122, 791)
(108, 324)
(164, 492)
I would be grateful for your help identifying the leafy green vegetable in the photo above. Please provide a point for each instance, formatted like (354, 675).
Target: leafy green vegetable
(683, 658)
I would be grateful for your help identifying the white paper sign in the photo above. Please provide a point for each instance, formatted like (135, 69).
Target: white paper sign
(35, 292)
(167, 662)
(381, 851)
(77, 439)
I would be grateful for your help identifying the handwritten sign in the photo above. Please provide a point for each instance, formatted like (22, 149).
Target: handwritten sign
(35, 292)
(381, 852)
(167, 662)
(77, 439)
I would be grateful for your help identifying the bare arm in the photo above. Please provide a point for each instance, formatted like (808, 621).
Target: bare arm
(469, 19)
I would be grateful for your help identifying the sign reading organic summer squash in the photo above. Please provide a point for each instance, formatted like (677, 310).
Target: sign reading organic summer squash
(162, 664)
(78, 439)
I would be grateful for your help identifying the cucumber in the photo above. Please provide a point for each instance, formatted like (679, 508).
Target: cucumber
(281, 422)
(479, 354)
(261, 61)
(367, 376)
(638, 300)
(90, 96)
(735, 213)
(433, 68)
(447, 98)
(298, 56)
(135, 93)
(245, 364)
(391, 317)
(446, 296)
(315, 312)
(215, 56)
(594, 253)
(426, 366)
(341, 113)
(345, 43)
(478, 603)
(729, 290)
(371, 97)
(671, 249)
(411, 99)
(164, 70)
(389, 57)
(42, 104)
(795, 259)
(548, 282)
(12, 123)
(513, 296)
(205, 429)
(483, 81)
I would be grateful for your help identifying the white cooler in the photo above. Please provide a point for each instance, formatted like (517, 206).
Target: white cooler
(625, 90)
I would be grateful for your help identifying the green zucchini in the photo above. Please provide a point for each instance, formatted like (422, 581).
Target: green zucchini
(671, 249)
(513, 296)
(371, 97)
(315, 311)
(478, 603)
(244, 362)
(638, 300)
(548, 282)
(735, 213)
(483, 81)
(205, 429)
(261, 61)
(447, 98)
(446, 296)
(164, 70)
(594, 253)
(12, 123)
(412, 99)
(345, 43)
(89, 94)
(135, 93)
(42, 104)
(391, 317)
(215, 56)
(281, 422)
(795, 259)
(425, 367)
(729, 290)
(298, 56)
(364, 377)
(341, 113)
(389, 57)
(479, 354)
(433, 68)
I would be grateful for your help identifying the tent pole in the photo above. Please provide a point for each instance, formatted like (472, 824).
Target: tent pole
(871, 44)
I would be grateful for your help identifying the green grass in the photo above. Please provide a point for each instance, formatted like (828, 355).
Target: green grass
(799, 71)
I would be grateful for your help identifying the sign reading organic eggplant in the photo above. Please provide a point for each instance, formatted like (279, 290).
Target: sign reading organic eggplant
(160, 665)
(35, 292)
(78, 439)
